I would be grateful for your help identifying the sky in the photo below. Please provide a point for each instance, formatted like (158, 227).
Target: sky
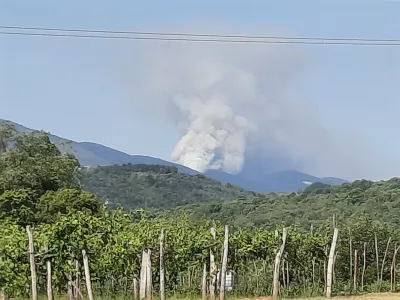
(81, 89)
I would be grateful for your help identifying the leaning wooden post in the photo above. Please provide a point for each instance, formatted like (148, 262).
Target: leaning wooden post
(70, 287)
(50, 295)
(142, 289)
(162, 271)
(364, 265)
(383, 262)
(278, 257)
(224, 263)
(149, 279)
(330, 263)
(350, 256)
(87, 275)
(393, 270)
(77, 280)
(204, 283)
(355, 270)
(31, 250)
(2, 294)
(135, 289)
(213, 268)
(376, 258)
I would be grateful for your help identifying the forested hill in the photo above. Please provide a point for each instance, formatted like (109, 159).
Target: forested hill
(319, 202)
(170, 192)
(155, 186)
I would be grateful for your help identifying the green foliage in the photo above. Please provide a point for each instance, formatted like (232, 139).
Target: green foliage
(39, 186)
(38, 183)
(153, 186)
(380, 200)
(34, 162)
(19, 205)
(65, 201)
(114, 241)
(7, 132)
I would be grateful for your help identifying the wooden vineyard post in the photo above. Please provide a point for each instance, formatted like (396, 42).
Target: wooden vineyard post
(355, 270)
(204, 283)
(77, 280)
(350, 255)
(2, 294)
(376, 258)
(213, 269)
(325, 266)
(135, 289)
(142, 291)
(284, 273)
(393, 270)
(279, 253)
(31, 250)
(330, 264)
(50, 295)
(87, 275)
(364, 265)
(149, 279)
(383, 262)
(313, 271)
(287, 273)
(162, 271)
(224, 263)
(70, 289)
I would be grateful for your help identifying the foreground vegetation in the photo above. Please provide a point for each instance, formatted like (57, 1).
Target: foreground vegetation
(41, 187)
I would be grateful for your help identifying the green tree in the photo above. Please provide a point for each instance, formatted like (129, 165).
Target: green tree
(37, 182)
(19, 205)
(34, 162)
(7, 131)
(65, 201)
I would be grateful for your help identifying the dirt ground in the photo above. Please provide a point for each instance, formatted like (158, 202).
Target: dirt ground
(369, 297)
(363, 297)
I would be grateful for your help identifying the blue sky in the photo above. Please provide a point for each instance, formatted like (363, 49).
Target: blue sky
(63, 85)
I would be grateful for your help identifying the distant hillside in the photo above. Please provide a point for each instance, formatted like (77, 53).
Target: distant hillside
(154, 186)
(261, 180)
(281, 181)
(92, 154)
(318, 203)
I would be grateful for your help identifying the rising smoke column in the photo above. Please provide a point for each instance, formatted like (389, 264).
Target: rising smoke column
(215, 136)
(217, 96)
(236, 104)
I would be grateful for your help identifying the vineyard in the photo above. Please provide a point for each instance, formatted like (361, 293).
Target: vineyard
(364, 258)
(57, 239)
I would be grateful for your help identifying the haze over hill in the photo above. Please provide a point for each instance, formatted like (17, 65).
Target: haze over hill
(251, 178)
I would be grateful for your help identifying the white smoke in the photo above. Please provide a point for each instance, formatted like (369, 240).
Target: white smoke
(217, 96)
(211, 127)
(234, 102)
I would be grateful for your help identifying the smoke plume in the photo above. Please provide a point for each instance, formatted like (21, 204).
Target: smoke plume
(235, 104)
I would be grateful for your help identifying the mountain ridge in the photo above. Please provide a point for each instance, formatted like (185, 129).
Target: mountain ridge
(94, 154)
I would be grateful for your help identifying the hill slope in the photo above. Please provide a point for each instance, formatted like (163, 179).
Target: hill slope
(380, 200)
(92, 154)
(154, 186)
